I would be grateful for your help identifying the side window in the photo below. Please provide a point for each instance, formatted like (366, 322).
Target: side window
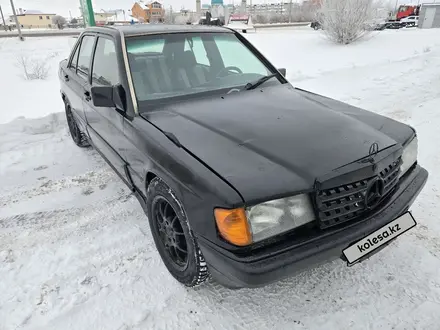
(247, 62)
(85, 53)
(105, 64)
(198, 49)
(74, 62)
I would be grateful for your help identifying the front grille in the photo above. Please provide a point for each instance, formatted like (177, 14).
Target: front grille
(346, 202)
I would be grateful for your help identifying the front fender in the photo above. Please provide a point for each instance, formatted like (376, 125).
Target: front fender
(150, 153)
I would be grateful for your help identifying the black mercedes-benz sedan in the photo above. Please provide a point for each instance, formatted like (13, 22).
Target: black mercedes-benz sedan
(241, 175)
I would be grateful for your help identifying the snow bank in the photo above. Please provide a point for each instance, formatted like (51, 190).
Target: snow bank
(308, 54)
(31, 99)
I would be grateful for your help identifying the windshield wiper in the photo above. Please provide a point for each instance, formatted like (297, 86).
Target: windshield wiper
(260, 81)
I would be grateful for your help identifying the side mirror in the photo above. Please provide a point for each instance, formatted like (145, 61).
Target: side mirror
(102, 96)
(282, 71)
(109, 97)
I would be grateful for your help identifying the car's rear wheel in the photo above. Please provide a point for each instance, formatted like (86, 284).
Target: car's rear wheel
(173, 237)
(77, 135)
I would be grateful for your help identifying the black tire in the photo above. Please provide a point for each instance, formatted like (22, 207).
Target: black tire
(77, 135)
(189, 269)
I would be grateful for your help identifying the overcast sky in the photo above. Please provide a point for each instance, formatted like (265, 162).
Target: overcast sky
(62, 7)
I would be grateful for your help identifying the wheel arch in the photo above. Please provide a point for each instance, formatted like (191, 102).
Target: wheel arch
(64, 97)
(148, 178)
(177, 189)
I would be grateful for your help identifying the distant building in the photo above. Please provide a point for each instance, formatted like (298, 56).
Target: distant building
(151, 13)
(313, 2)
(32, 19)
(276, 8)
(103, 17)
(429, 16)
(184, 16)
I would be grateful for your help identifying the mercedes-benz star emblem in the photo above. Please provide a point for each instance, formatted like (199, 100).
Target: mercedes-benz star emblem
(374, 193)
(374, 149)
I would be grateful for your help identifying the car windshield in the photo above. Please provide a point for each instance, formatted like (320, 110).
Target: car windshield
(185, 64)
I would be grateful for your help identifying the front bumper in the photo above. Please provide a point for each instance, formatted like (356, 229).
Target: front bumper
(260, 269)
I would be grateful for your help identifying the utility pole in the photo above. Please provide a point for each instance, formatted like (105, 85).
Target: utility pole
(3, 18)
(290, 12)
(88, 13)
(20, 35)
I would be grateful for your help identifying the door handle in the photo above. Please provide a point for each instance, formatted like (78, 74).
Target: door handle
(66, 77)
(87, 95)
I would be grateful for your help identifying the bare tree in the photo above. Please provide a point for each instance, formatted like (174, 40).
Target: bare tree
(344, 21)
(34, 68)
(59, 21)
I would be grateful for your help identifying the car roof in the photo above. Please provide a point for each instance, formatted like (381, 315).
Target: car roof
(141, 29)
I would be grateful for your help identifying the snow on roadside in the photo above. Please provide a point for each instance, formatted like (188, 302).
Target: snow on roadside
(30, 98)
(308, 54)
(76, 251)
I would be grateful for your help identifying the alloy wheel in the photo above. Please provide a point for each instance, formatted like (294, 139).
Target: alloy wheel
(170, 232)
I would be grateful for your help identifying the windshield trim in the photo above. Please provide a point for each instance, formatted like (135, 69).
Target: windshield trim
(129, 76)
(161, 33)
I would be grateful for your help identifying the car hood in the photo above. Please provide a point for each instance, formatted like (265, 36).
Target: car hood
(275, 141)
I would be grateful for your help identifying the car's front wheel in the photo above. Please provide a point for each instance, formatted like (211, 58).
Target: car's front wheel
(173, 237)
(77, 135)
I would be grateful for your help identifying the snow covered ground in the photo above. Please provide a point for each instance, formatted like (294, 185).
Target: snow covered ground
(76, 251)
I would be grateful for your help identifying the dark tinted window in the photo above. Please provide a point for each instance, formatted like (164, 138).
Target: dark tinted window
(85, 54)
(105, 65)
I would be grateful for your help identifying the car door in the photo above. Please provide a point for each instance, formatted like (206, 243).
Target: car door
(105, 123)
(73, 82)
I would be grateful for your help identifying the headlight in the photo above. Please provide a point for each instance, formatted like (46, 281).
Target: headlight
(253, 224)
(278, 216)
(409, 156)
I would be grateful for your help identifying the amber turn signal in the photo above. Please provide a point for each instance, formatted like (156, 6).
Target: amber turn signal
(233, 226)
